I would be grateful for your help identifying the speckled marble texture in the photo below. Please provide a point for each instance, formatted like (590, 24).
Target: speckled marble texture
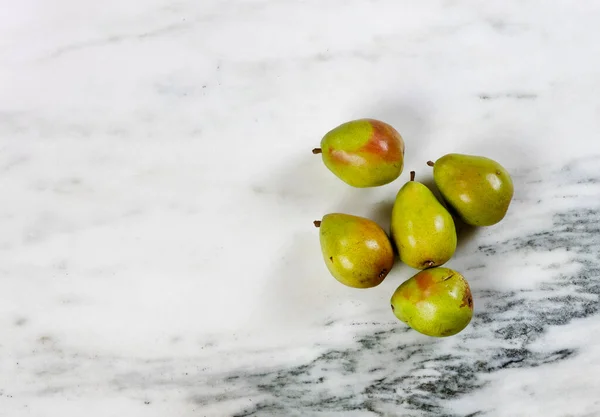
(157, 253)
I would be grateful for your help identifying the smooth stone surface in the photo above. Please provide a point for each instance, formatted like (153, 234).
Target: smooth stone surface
(157, 253)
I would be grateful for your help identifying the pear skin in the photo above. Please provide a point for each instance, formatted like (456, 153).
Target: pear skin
(363, 153)
(357, 251)
(436, 302)
(478, 189)
(423, 230)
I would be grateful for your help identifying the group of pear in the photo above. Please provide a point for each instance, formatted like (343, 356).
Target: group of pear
(437, 301)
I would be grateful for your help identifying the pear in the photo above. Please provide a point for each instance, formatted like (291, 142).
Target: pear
(477, 189)
(363, 153)
(357, 251)
(422, 228)
(436, 302)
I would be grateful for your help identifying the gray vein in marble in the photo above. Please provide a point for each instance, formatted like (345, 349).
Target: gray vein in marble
(380, 374)
(426, 379)
(517, 96)
(173, 27)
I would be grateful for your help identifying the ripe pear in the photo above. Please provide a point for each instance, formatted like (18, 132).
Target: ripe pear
(478, 189)
(422, 228)
(357, 251)
(363, 153)
(436, 302)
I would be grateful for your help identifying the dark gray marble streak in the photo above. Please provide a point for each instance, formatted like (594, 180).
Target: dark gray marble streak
(383, 375)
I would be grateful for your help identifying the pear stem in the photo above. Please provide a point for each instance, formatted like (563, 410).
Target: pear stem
(316, 151)
(317, 223)
(412, 175)
(430, 163)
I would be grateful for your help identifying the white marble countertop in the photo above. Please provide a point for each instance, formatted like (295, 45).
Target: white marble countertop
(157, 253)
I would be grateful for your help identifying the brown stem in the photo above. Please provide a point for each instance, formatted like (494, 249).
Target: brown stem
(317, 223)
(412, 175)
(317, 151)
(430, 163)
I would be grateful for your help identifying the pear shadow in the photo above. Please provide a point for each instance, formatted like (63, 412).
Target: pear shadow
(300, 292)
(465, 233)
(353, 201)
(291, 291)
(303, 177)
(298, 289)
(400, 272)
(381, 213)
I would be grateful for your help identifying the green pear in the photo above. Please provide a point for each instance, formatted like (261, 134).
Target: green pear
(478, 189)
(422, 228)
(436, 302)
(357, 251)
(363, 153)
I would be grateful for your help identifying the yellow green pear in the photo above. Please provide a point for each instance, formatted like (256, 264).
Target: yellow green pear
(436, 302)
(422, 228)
(478, 189)
(363, 153)
(357, 252)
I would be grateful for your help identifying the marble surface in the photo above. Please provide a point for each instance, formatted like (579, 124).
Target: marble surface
(157, 253)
